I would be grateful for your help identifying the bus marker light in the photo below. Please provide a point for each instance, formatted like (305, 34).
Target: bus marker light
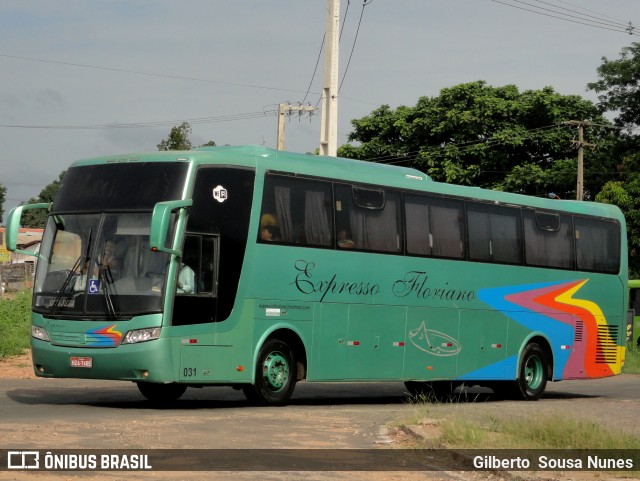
(447, 344)
(240, 368)
(429, 368)
(145, 373)
(399, 344)
(496, 346)
(353, 343)
(193, 341)
(565, 347)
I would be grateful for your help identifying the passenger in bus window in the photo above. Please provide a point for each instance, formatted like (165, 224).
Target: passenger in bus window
(344, 240)
(186, 280)
(269, 231)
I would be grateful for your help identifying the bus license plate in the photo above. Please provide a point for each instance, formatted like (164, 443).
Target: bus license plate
(82, 362)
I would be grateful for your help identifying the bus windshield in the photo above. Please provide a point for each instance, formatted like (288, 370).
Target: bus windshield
(99, 265)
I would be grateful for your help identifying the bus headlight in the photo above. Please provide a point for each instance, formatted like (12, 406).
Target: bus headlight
(40, 333)
(141, 335)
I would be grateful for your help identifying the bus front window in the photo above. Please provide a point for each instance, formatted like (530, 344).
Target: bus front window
(97, 265)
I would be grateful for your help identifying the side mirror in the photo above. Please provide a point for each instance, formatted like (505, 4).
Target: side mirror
(13, 226)
(160, 222)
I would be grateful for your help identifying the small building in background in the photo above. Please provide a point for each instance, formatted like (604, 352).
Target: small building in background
(16, 270)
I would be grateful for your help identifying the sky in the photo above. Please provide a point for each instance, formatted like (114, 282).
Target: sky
(84, 78)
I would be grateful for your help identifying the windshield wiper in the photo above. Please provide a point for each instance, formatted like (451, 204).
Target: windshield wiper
(106, 279)
(72, 273)
(65, 285)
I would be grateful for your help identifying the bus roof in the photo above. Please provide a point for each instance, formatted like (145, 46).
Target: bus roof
(357, 171)
(257, 156)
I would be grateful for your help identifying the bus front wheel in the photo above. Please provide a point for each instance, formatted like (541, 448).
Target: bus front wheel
(161, 392)
(532, 373)
(275, 374)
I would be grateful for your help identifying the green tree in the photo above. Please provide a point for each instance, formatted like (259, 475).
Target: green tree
(619, 86)
(37, 218)
(178, 138)
(624, 191)
(492, 137)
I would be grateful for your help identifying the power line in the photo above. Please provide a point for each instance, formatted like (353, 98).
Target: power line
(572, 18)
(592, 11)
(315, 70)
(161, 123)
(364, 4)
(461, 146)
(148, 74)
(598, 18)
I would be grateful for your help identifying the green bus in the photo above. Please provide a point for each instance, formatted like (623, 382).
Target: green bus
(257, 269)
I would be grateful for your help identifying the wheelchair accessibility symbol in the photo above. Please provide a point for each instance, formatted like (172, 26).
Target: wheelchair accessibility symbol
(94, 286)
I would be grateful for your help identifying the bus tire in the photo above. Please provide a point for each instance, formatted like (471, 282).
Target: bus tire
(532, 373)
(275, 375)
(161, 392)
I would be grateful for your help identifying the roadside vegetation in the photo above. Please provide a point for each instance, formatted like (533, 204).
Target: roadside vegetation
(552, 432)
(15, 323)
(632, 360)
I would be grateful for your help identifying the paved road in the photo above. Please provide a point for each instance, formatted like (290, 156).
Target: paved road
(72, 414)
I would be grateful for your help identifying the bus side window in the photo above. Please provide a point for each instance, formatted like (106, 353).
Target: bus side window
(371, 216)
(548, 239)
(435, 227)
(494, 233)
(296, 211)
(597, 245)
(198, 266)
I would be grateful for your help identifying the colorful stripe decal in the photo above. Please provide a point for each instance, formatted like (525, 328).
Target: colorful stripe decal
(103, 336)
(552, 309)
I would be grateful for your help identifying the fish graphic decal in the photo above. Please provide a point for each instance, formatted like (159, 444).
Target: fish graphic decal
(434, 342)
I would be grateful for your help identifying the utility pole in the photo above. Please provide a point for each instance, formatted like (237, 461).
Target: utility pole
(329, 117)
(287, 109)
(580, 144)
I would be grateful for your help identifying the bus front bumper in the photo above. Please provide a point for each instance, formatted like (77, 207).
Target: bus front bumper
(146, 361)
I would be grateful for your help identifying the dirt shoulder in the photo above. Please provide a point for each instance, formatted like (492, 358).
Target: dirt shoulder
(17, 367)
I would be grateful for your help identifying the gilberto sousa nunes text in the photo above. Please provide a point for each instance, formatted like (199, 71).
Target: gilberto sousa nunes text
(554, 462)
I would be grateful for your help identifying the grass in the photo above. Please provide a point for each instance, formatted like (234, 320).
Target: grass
(509, 432)
(550, 432)
(15, 324)
(632, 359)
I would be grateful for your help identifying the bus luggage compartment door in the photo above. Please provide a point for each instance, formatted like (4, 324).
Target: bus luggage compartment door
(200, 363)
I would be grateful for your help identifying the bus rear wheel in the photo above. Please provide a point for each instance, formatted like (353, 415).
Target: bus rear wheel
(275, 375)
(532, 373)
(161, 392)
